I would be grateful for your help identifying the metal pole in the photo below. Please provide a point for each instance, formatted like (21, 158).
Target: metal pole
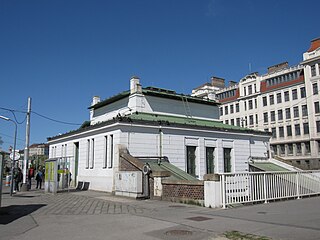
(1, 174)
(26, 150)
(13, 162)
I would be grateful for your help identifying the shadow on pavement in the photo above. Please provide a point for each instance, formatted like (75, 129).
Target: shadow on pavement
(11, 213)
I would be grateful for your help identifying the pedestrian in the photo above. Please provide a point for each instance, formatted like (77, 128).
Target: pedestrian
(17, 179)
(30, 176)
(39, 178)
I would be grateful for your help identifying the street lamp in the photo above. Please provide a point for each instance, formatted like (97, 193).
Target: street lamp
(14, 151)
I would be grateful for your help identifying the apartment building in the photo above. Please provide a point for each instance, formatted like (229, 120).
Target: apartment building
(284, 101)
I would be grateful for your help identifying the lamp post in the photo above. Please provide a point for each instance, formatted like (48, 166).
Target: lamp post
(14, 151)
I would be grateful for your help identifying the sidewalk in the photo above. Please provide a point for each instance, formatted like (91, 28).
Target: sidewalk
(98, 215)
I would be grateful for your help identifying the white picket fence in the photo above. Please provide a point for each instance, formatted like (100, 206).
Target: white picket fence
(265, 186)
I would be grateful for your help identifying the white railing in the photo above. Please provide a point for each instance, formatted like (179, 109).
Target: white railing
(264, 186)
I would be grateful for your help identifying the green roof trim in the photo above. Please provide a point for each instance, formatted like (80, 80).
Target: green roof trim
(268, 167)
(167, 120)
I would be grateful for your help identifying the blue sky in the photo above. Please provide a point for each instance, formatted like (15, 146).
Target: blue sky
(63, 52)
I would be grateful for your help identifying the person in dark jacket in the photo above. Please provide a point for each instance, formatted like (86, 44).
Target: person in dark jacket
(39, 178)
(17, 179)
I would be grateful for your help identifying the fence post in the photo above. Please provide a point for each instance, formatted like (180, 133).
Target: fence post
(212, 190)
(223, 191)
(265, 187)
(297, 183)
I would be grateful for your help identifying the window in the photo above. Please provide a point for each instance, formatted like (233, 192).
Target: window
(297, 129)
(274, 132)
(231, 108)
(251, 119)
(245, 91)
(298, 148)
(318, 126)
(318, 146)
(282, 149)
(304, 110)
(307, 148)
(280, 115)
(264, 101)
(303, 92)
(256, 103)
(294, 94)
(290, 149)
(210, 159)
(316, 107)
(250, 89)
(238, 121)
(289, 131)
(295, 112)
(226, 121)
(279, 99)
(288, 113)
(88, 153)
(92, 153)
(271, 99)
(305, 128)
(273, 116)
(245, 105)
(191, 160)
(237, 107)
(257, 120)
(111, 152)
(226, 110)
(105, 152)
(265, 117)
(281, 132)
(313, 71)
(315, 88)
(232, 122)
(286, 96)
(250, 104)
(221, 111)
(227, 160)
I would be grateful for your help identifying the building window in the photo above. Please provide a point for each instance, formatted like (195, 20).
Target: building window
(294, 94)
(288, 113)
(280, 115)
(282, 149)
(274, 132)
(279, 98)
(226, 110)
(304, 110)
(257, 120)
(318, 126)
(92, 153)
(251, 120)
(105, 161)
(210, 159)
(232, 122)
(265, 117)
(250, 89)
(227, 160)
(111, 152)
(271, 99)
(307, 148)
(281, 132)
(191, 160)
(231, 108)
(273, 116)
(305, 128)
(237, 107)
(290, 149)
(296, 112)
(88, 153)
(226, 121)
(303, 92)
(238, 121)
(221, 111)
(297, 129)
(318, 146)
(289, 131)
(298, 149)
(264, 101)
(245, 105)
(313, 71)
(256, 103)
(316, 107)
(315, 88)
(250, 104)
(286, 96)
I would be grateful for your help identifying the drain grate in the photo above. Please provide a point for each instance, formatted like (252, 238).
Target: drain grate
(177, 206)
(262, 212)
(178, 232)
(199, 219)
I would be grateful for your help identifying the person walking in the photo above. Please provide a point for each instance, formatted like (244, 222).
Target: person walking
(30, 176)
(18, 176)
(39, 178)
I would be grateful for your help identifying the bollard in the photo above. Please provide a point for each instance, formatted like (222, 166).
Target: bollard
(8, 180)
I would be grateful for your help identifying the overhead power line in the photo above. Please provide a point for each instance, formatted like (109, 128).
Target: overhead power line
(54, 120)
